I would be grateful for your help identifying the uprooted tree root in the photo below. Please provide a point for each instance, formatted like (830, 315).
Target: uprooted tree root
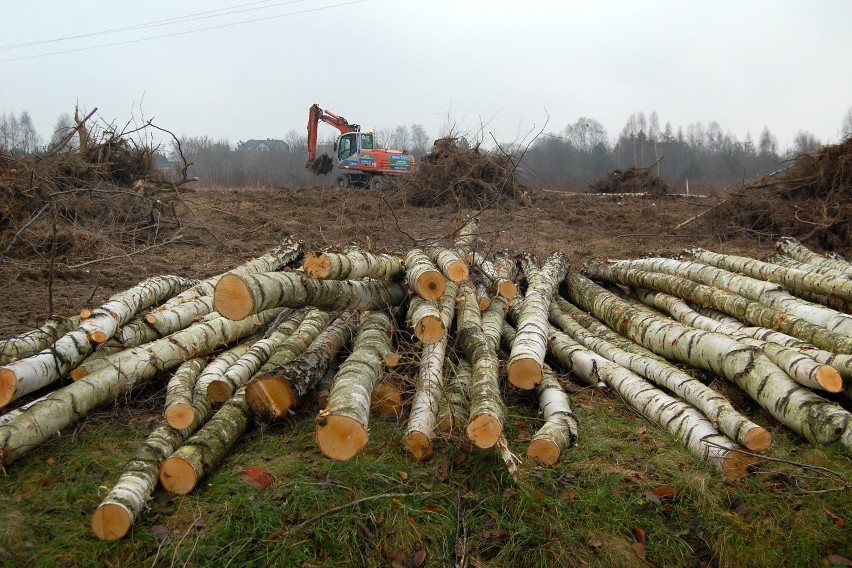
(810, 201)
(103, 193)
(450, 173)
(633, 180)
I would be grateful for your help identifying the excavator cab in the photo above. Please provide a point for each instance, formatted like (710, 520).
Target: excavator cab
(353, 143)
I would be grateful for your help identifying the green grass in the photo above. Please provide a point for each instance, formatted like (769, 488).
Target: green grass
(584, 511)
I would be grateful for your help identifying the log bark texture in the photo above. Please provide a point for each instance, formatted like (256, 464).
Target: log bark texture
(351, 265)
(31, 342)
(178, 408)
(423, 277)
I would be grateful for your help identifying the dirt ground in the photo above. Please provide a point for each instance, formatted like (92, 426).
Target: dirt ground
(224, 227)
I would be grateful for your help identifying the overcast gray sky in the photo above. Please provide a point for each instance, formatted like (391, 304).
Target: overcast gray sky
(782, 64)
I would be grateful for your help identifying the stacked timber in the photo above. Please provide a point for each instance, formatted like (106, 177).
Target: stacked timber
(276, 337)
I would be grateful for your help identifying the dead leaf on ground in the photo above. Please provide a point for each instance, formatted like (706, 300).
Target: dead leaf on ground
(420, 557)
(837, 519)
(257, 476)
(639, 549)
(837, 559)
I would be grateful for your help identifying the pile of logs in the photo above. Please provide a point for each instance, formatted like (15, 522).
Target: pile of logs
(256, 342)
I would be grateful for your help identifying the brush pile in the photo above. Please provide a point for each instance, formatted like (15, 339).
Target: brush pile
(453, 173)
(634, 180)
(439, 336)
(810, 201)
(97, 187)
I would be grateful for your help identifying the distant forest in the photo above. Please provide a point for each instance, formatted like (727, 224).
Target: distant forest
(705, 155)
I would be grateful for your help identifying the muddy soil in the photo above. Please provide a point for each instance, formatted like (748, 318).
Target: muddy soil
(224, 227)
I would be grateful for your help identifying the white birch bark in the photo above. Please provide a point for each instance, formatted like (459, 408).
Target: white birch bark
(454, 403)
(67, 405)
(712, 404)
(178, 407)
(793, 248)
(342, 426)
(423, 277)
(424, 317)
(807, 414)
(684, 422)
(217, 367)
(530, 344)
(180, 316)
(794, 280)
(420, 430)
(789, 262)
(498, 284)
(766, 293)
(351, 265)
(449, 262)
(31, 342)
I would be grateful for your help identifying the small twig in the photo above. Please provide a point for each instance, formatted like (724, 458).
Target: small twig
(125, 255)
(705, 212)
(32, 220)
(52, 271)
(281, 532)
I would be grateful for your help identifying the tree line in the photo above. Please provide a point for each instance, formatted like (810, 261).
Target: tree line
(574, 157)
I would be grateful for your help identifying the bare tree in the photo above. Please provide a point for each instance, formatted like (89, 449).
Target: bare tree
(846, 125)
(804, 141)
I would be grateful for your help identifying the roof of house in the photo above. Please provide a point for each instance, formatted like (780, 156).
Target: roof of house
(269, 144)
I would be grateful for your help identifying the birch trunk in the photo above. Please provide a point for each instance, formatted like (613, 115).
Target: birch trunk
(423, 278)
(807, 414)
(201, 453)
(793, 248)
(530, 344)
(293, 380)
(342, 425)
(765, 293)
(449, 262)
(420, 430)
(794, 280)
(180, 316)
(487, 411)
(244, 368)
(237, 296)
(466, 236)
(712, 404)
(454, 404)
(31, 342)
(213, 372)
(800, 366)
(681, 420)
(352, 265)
(67, 405)
(730, 303)
(482, 296)
(499, 285)
(179, 412)
(789, 262)
(425, 317)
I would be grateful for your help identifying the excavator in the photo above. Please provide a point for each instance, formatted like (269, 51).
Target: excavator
(362, 164)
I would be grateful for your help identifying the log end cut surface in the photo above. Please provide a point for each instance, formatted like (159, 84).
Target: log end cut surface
(387, 399)
(829, 379)
(457, 272)
(78, 373)
(484, 430)
(180, 415)
(98, 337)
(218, 392)
(232, 298)
(316, 265)
(111, 521)
(430, 285)
(8, 385)
(757, 439)
(507, 289)
(430, 330)
(736, 465)
(525, 373)
(178, 476)
(544, 451)
(340, 437)
(417, 443)
(269, 398)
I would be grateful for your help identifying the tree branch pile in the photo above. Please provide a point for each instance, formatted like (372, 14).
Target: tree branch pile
(451, 173)
(810, 201)
(633, 180)
(283, 342)
(96, 188)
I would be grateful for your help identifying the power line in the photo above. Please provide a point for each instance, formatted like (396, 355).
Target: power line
(158, 23)
(232, 24)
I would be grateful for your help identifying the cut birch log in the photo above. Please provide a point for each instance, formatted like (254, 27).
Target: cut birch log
(794, 280)
(342, 425)
(423, 278)
(530, 344)
(466, 236)
(178, 409)
(243, 369)
(202, 452)
(482, 296)
(793, 248)
(215, 369)
(454, 404)
(68, 404)
(386, 399)
(180, 316)
(420, 430)
(277, 390)
(449, 262)
(487, 411)
(807, 414)
(499, 285)
(766, 293)
(351, 265)
(237, 296)
(324, 387)
(800, 366)
(742, 308)
(31, 342)
(789, 262)
(682, 420)
(425, 317)
(713, 405)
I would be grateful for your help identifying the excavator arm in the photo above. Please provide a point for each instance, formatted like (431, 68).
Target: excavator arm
(323, 164)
